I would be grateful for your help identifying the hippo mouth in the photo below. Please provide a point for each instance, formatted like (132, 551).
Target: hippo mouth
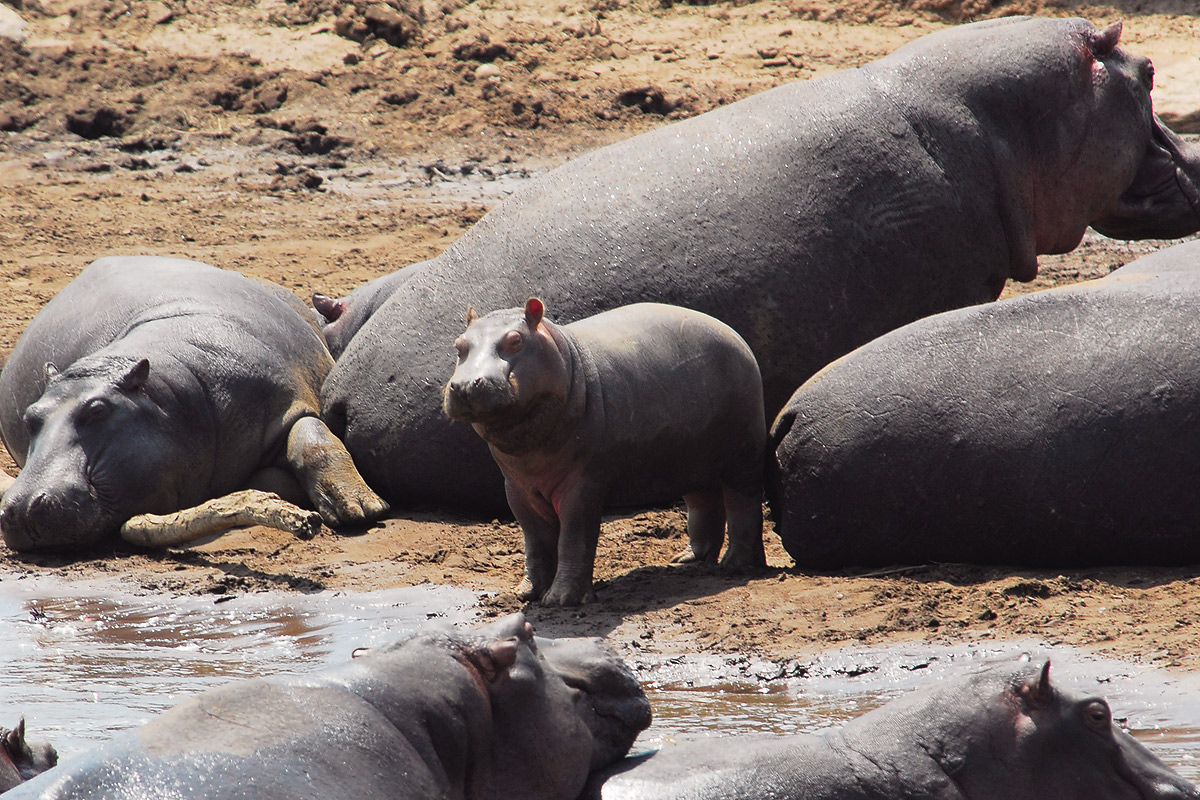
(1163, 202)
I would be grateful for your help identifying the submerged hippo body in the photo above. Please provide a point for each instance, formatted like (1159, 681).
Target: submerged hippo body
(152, 384)
(20, 759)
(1002, 733)
(483, 715)
(810, 218)
(639, 405)
(1055, 428)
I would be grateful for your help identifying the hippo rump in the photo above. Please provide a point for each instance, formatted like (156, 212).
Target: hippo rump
(483, 715)
(1055, 428)
(642, 404)
(810, 218)
(20, 759)
(151, 384)
(1001, 733)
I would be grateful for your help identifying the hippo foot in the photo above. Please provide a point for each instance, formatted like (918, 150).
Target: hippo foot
(525, 591)
(743, 559)
(327, 472)
(690, 556)
(560, 595)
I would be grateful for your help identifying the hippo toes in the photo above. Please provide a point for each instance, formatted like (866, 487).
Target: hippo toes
(639, 405)
(1001, 733)
(20, 760)
(489, 714)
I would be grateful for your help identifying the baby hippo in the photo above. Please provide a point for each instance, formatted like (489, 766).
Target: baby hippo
(635, 406)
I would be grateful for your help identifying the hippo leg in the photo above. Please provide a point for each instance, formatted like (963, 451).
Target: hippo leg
(744, 510)
(325, 470)
(541, 547)
(579, 519)
(705, 525)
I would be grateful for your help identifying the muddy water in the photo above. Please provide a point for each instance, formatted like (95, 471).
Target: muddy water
(84, 660)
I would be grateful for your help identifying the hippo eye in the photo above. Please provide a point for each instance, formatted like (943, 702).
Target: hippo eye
(461, 347)
(94, 411)
(1097, 715)
(511, 343)
(1148, 75)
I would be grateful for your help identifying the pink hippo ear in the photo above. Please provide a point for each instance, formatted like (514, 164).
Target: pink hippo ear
(1103, 42)
(494, 659)
(534, 311)
(1038, 693)
(472, 314)
(136, 377)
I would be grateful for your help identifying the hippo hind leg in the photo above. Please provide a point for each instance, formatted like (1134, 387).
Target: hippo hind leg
(328, 476)
(744, 511)
(705, 525)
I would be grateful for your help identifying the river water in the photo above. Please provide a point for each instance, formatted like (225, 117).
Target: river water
(85, 660)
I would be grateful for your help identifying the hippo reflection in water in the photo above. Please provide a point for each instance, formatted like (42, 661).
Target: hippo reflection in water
(491, 714)
(1001, 733)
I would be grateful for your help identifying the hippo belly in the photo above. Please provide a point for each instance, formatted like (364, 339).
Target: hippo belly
(810, 218)
(1055, 428)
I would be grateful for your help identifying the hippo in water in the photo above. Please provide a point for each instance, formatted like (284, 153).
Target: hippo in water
(810, 218)
(1001, 733)
(638, 405)
(20, 760)
(1054, 428)
(151, 384)
(485, 715)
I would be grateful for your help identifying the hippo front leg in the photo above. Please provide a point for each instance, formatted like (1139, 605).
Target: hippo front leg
(579, 532)
(328, 475)
(540, 530)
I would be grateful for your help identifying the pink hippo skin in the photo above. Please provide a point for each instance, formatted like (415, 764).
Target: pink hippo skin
(635, 406)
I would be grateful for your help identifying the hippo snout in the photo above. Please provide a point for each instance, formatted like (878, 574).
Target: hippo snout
(43, 520)
(477, 398)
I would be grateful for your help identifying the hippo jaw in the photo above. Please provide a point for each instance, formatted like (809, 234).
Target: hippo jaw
(1163, 202)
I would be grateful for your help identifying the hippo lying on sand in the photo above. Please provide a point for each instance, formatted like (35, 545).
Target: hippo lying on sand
(1055, 428)
(21, 760)
(1002, 733)
(151, 384)
(637, 405)
(483, 715)
(811, 218)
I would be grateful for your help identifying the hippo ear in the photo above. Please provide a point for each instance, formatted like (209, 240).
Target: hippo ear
(535, 309)
(51, 371)
(1103, 42)
(1038, 692)
(136, 377)
(472, 314)
(493, 659)
(327, 307)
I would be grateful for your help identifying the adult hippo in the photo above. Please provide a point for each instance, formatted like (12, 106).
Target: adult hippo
(179, 382)
(811, 218)
(1002, 733)
(1054, 428)
(484, 715)
(20, 759)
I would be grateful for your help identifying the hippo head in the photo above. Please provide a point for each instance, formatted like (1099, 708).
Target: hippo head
(1008, 733)
(96, 456)
(539, 715)
(509, 364)
(21, 760)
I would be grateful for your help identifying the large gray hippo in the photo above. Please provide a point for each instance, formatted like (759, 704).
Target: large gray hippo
(485, 715)
(1054, 428)
(1002, 733)
(151, 384)
(811, 218)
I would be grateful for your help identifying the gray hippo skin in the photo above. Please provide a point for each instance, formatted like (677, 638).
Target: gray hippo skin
(810, 218)
(483, 715)
(1002, 733)
(152, 384)
(1055, 428)
(630, 407)
(340, 319)
(20, 760)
